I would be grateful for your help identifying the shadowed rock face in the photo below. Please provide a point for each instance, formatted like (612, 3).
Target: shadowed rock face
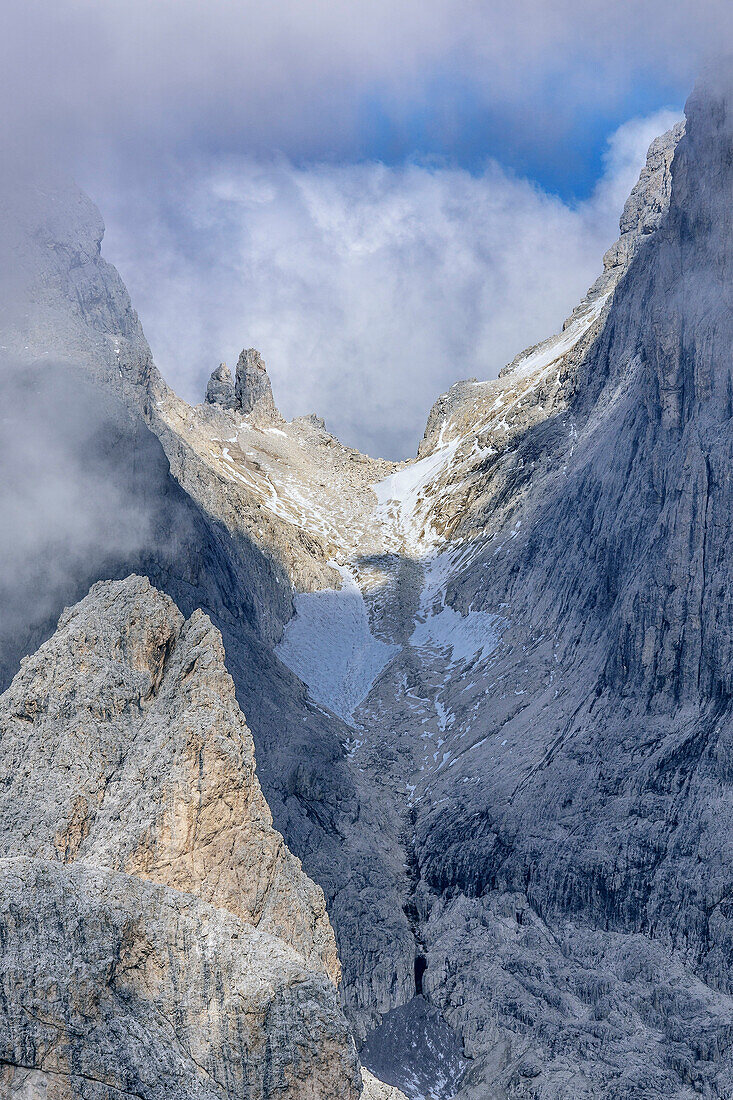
(128, 720)
(60, 431)
(603, 817)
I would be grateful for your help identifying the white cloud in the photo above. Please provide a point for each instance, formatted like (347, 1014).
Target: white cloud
(625, 154)
(135, 81)
(369, 290)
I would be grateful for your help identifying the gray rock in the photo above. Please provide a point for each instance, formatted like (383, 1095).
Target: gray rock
(253, 389)
(220, 388)
(59, 299)
(466, 403)
(113, 972)
(147, 765)
(645, 207)
(111, 986)
(532, 798)
(216, 546)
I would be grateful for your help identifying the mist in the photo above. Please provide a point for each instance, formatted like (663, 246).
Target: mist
(381, 199)
(139, 84)
(83, 497)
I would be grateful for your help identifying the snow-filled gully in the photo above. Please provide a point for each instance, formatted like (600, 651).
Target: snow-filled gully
(329, 643)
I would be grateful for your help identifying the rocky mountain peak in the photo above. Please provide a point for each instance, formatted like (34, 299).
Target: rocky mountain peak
(220, 390)
(252, 388)
(148, 884)
(498, 732)
(547, 370)
(643, 210)
(249, 392)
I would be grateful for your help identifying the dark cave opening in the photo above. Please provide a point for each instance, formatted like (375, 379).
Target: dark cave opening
(420, 965)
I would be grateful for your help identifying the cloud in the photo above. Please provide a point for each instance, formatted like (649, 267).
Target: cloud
(134, 83)
(368, 289)
(72, 503)
(624, 156)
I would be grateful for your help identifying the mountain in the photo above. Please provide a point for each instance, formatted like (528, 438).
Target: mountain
(145, 893)
(489, 688)
(157, 936)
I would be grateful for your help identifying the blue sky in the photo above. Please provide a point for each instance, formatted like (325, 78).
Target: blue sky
(537, 85)
(452, 125)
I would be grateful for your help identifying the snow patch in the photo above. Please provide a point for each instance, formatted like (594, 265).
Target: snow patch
(328, 645)
(553, 349)
(466, 636)
(403, 502)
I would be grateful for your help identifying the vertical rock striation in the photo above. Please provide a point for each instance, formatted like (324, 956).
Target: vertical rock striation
(526, 821)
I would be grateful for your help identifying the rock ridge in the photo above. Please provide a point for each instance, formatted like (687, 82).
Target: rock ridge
(152, 846)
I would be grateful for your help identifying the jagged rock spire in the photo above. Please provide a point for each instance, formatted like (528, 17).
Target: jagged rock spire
(220, 390)
(253, 392)
(250, 393)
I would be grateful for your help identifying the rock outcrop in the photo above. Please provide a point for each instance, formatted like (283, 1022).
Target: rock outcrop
(220, 388)
(147, 765)
(644, 209)
(572, 833)
(114, 987)
(377, 1090)
(249, 393)
(215, 541)
(158, 937)
(59, 299)
(513, 783)
(253, 389)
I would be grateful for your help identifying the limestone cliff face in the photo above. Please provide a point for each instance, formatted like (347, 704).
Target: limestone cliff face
(112, 987)
(158, 936)
(59, 299)
(128, 720)
(485, 422)
(248, 393)
(591, 849)
(253, 390)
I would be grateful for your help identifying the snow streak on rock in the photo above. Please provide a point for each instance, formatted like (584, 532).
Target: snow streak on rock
(403, 500)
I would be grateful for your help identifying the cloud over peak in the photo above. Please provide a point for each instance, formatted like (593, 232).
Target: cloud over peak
(368, 289)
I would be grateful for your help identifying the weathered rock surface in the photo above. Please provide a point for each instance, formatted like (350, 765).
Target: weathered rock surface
(127, 718)
(59, 299)
(572, 831)
(112, 986)
(220, 388)
(253, 389)
(212, 545)
(559, 721)
(549, 368)
(249, 393)
(158, 937)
